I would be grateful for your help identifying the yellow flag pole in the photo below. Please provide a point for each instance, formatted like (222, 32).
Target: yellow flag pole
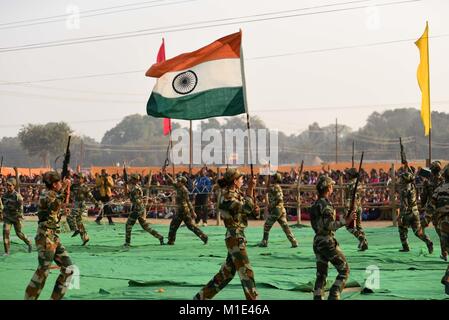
(430, 111)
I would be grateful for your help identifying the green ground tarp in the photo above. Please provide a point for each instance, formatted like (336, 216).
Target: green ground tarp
(151, 271)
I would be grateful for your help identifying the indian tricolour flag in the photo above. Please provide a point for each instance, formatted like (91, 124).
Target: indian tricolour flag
(201, 84)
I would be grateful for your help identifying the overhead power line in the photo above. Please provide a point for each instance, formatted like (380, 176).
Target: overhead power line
(84, 14)
(4, 82)
(74, 77)
(81, 12)
(145, 32)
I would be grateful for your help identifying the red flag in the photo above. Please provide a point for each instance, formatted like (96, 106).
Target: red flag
(161, 58)
(167, 126)
(161, 53)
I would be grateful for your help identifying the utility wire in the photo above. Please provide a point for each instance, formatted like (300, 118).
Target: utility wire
(64, 17)
(145, 32)
(4, 82)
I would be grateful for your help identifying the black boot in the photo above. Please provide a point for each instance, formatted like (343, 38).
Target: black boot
(405, 248)
(334, 293)
(430, 247)
(264, 242)
(363, 245)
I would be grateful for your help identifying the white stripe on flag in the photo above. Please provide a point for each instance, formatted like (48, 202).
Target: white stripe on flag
(223, 73)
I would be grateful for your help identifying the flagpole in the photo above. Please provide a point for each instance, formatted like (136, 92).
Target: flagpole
(191, 154)
(353, 147)
(172, 156)
(430, 113)
(245, 101)
(430, 146)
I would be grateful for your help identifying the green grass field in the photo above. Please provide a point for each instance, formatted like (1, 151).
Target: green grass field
(107, 271)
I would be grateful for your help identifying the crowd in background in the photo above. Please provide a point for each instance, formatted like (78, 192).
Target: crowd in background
(200, 185)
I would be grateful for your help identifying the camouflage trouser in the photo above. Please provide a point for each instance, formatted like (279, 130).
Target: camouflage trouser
(327, 250)
(76, 218)
(107, 210)
(278, 214)
(7, 231)
(237, 261)
(431, 216)
(133, 217)
(176, 222)
(50, 249)
(411, 220)
(71, 221)
(357, 229)
(443, 225)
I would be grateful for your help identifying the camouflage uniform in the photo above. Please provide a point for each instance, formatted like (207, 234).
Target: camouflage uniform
(138, 212)
(429, 187)
(277, 213)
(409, 214)
(234, 208)
(49, 245)
(183, 214)
(13, 214)
(440, 199)
(80, 193)
(356, 229)
(326, 247)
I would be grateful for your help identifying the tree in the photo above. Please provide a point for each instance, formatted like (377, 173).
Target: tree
(141, 139)
(45, 140)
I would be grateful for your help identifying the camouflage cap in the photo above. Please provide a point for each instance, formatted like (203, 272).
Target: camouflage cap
(352, 172)
(12, 181)
(324, 182)
(232, 174)
(182, 179)
(50, 177)
(135, 176)
(277, 177)
(435, 166)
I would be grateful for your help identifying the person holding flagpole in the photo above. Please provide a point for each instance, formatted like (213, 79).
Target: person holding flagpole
(206, 83)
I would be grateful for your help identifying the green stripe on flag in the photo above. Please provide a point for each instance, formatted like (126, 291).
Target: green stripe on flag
(207, 104)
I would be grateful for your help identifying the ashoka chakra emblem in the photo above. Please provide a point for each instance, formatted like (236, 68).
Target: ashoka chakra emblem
(185, 82)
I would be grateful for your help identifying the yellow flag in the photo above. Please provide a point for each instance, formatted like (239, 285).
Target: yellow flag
(424, 79)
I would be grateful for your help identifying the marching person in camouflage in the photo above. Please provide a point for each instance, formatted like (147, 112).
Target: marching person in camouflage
(440, 199)
(277, 213)
(184, 213)
(234, 207)
(409, 214)
(138, 212)
(325, 246)
(429, 187)
(357, 229)
(80, 193)
(12, 215)
(47, 240)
